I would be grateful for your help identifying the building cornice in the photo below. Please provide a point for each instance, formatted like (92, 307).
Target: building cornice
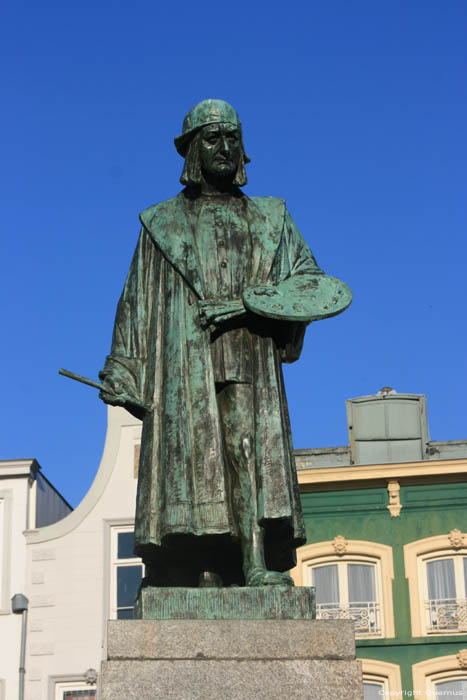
(18, 467)
(362, 476)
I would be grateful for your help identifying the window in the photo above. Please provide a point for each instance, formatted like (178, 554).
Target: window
(442, 677)
(374, 689)
(456, 688)
(75, 690)
(353, 579)
(381, 680)
(444, 589)
(126, 573)
(436, 568)
(348, 589)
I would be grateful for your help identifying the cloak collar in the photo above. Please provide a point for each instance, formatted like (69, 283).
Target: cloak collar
(170, 229)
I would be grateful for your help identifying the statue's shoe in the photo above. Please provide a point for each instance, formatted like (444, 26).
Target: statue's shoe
(208, 579)
(263, 577)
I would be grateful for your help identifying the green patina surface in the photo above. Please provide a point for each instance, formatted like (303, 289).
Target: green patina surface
(218, 296)
(362, 514)
(236, 603)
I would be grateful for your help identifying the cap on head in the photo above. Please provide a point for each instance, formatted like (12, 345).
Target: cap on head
(205, 112)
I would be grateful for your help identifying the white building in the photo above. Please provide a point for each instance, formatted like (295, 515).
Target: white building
(27, 500)
(80, 572)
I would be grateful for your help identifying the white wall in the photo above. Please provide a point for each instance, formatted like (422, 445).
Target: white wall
(15, 485)
(68, 571)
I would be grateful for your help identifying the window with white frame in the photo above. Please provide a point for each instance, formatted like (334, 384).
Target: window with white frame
(349, 587)
(363, 573)
(441, 677)
(126, 573)
(444, 686)
(75, 690)
(381, 680)
(375, 688)
(444, 592)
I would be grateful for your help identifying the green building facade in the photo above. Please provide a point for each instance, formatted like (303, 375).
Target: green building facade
(386, 524)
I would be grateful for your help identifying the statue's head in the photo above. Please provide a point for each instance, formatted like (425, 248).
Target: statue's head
(211, 143)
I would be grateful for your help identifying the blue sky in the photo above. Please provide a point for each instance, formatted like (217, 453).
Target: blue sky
(355, 113)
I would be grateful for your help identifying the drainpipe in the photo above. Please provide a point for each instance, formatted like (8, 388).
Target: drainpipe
(19, 605)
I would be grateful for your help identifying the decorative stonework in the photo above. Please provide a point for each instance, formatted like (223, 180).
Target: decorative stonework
(41, 648)
(37, 577)
(90, 676)
(43, 554)
(462, 658)
(394, 505)
(456, 538)
(36, 625)
(34, 674)
(42, 601)
(340, 544)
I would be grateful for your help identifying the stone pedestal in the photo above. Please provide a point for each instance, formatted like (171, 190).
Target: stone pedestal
(225, 659)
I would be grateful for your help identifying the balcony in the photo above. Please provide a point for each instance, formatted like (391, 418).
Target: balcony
(448, 615)
(367, 615)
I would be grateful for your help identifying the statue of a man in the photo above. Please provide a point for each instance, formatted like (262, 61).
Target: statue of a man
(218, 296)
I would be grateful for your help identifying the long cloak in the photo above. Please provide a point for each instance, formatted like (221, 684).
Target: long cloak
(161, 354)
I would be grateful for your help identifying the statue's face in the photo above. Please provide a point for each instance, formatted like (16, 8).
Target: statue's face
(220, 149)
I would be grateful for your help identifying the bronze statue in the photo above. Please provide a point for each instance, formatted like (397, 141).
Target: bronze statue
(218, 296)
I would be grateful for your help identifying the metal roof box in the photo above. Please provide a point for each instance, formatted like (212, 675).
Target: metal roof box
(387, 427)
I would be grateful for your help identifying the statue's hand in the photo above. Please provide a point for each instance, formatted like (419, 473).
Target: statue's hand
(265, 292)
(216, 312)
(114, 394)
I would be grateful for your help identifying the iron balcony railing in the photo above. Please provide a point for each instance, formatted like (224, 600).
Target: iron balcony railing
(447, 615)
(367, 615)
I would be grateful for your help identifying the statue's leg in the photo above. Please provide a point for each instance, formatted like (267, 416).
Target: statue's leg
(237, 416)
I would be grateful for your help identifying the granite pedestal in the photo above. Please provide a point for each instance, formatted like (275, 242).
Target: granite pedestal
(229, 659)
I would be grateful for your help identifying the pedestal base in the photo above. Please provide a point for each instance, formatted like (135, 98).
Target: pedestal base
(249, 603)
(231, 660)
